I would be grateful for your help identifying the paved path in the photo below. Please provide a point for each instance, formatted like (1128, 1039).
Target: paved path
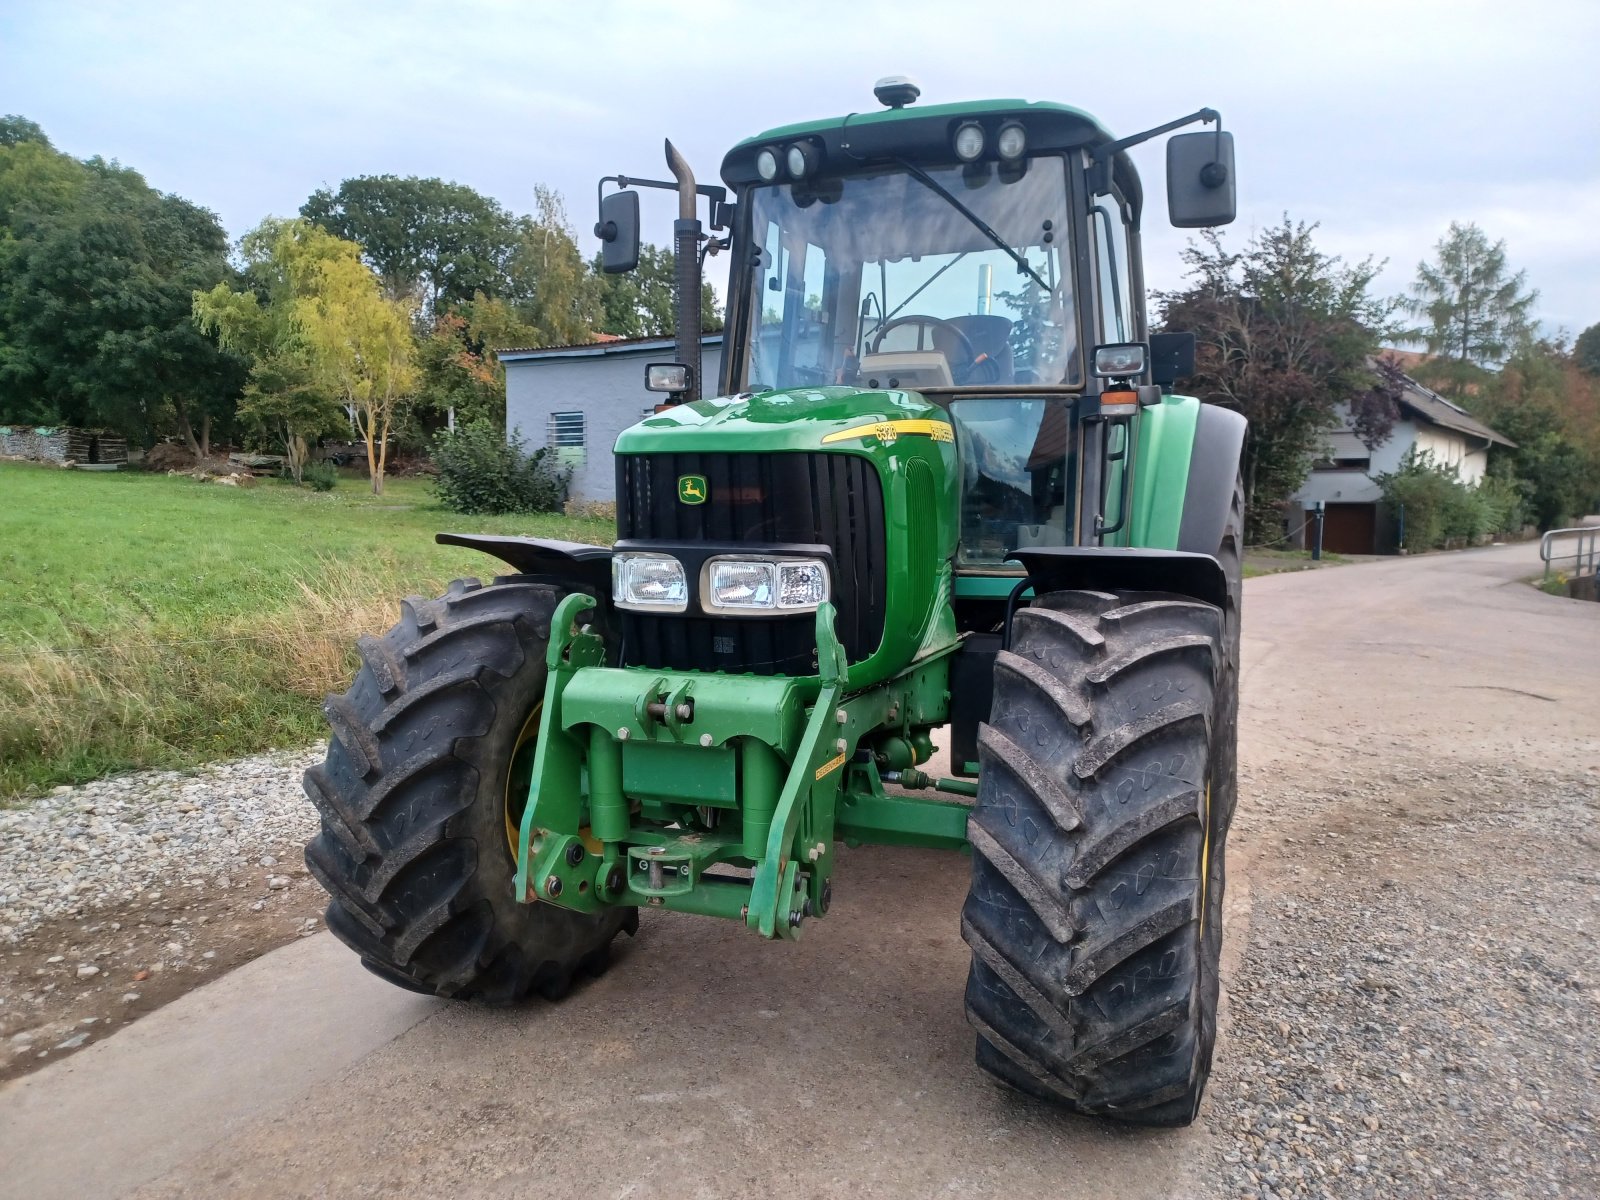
(709, 1064)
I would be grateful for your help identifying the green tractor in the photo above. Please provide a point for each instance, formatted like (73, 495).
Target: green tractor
(943, 489)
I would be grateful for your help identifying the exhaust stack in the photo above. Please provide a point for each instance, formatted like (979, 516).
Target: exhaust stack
(686, 236)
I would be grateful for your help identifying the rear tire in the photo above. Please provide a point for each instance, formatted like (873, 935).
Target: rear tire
(413, 798)
(1099, 840)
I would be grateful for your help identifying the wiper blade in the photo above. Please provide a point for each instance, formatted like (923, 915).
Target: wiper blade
(978, 223)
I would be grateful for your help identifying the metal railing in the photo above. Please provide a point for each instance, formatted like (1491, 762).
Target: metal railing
(1585, 556)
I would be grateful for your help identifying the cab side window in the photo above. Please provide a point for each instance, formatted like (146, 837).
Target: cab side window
(1114, 277)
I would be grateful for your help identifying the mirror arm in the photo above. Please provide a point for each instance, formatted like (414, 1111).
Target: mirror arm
(1100, 172)
(721, 210)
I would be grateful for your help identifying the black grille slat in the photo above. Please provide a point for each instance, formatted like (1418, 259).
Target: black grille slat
(797, 498)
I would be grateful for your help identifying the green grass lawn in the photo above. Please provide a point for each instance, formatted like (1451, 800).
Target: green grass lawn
(157, 620)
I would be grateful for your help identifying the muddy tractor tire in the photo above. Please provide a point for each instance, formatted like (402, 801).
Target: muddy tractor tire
(424, 779)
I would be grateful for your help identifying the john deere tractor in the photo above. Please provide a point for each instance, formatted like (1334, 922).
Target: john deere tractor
(941, 491)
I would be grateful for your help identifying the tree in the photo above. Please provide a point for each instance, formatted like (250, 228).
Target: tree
(96, 273)
(553, 292)
(1550, 408)
(360, 346)
(1476, 312)
(1284, 335)
(437, 242)
(642, 302)
(261, 323)
(1586, 350)
(457, 376)
(15, 129)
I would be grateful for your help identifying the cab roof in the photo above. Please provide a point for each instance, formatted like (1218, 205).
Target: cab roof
(924, 133)
(963, 109)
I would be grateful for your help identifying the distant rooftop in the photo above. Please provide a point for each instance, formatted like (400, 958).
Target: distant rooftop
(605, 343)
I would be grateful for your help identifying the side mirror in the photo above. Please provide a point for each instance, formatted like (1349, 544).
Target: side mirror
(1171, 357)
(618, 231)
(1200, 183)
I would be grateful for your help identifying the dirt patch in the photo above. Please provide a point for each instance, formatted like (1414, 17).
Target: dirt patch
(75, 980)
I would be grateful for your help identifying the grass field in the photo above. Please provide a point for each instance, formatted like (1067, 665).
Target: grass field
(148, 620)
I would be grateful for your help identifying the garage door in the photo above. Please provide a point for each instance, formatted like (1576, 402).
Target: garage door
(1350, 528)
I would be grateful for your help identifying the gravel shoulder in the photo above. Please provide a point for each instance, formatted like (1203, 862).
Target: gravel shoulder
(119, 896)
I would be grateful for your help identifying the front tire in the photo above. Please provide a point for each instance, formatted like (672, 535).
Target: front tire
(414, 798)
(1095, 907)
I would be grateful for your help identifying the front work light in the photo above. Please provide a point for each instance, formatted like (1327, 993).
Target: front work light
(1012, 141)
(666, 377)
(753, 585)
(969, 142)
(767, 163)
(1120, 360)
(802, 159)
(643, 582)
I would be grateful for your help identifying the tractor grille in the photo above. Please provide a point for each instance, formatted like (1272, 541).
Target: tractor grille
(767, 501)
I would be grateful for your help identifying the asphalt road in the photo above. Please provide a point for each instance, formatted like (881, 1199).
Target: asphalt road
(706, 1063)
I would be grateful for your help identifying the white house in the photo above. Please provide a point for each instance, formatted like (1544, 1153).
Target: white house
(577, 399)
(1344, 480)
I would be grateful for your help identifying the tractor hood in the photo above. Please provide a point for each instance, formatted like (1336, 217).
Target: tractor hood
(843, 418)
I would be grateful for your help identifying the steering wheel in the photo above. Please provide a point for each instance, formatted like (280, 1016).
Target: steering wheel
(959, 374)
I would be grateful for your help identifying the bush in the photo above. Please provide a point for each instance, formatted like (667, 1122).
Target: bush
(320, 477)
(480, 472)
(1439, 510)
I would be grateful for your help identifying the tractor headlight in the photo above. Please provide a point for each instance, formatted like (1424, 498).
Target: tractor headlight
(649, 583)
(763, 585)
(767, 163)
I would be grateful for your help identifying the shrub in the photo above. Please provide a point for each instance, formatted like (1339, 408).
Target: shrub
(320, 477)
(481, 472)
(1438, 509)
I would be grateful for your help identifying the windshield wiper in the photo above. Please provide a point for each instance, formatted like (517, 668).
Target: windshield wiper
(978, 223)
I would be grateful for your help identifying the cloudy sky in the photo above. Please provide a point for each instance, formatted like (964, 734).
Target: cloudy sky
(1382, 121)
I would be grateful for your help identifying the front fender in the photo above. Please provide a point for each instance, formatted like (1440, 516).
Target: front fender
(582, 566)
(1115, 568)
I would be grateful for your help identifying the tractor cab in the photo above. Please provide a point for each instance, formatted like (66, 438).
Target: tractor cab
(977, 254)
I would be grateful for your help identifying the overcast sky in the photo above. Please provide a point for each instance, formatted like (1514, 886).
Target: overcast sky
(1382, 121)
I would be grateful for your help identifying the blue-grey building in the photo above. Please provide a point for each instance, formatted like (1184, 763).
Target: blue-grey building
(577, 399)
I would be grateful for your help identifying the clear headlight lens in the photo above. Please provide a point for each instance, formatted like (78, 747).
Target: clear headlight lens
(764, 584)
(649, 583)
(743, 585)
(767, 163)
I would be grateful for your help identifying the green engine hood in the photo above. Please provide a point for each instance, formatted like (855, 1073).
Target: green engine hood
(842, 418)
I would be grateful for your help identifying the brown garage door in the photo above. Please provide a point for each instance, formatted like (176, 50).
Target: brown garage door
(1350, 528)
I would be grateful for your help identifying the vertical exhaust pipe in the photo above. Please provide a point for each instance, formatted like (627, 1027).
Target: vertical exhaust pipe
(686, 233)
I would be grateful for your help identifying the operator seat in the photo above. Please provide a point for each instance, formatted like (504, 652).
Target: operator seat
(990, 335)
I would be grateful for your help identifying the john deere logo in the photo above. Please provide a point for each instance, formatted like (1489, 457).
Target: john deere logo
(692, 489)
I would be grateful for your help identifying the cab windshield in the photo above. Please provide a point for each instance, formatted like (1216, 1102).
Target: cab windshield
(882, 280)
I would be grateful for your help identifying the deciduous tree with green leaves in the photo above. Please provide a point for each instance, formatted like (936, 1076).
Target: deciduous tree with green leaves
(96, 273)
(286, 393)
(361, 348)
(1284, 334)
(640, 303)
(437, 242)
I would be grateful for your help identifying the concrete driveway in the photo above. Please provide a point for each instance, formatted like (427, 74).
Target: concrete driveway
(709, 1064)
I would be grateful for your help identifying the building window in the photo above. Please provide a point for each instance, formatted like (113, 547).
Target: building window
(1343, 463)
(566, 434)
